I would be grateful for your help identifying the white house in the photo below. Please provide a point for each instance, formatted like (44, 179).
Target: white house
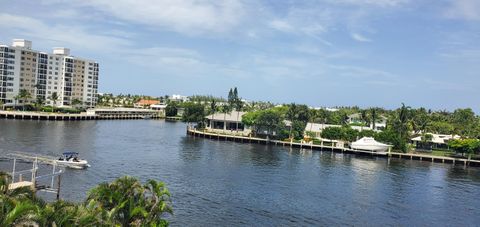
(230, 123)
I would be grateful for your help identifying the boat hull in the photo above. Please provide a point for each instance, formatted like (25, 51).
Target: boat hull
(370, 147)
(81, 164)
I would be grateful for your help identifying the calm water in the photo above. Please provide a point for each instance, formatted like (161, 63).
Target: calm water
(231, 184)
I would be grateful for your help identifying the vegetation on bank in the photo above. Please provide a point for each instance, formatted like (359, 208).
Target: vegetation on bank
(123, 202)
(288, 121)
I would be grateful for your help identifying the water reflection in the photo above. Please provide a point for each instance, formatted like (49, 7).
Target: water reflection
(228, 184)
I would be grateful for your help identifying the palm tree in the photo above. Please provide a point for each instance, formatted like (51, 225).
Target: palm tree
(16, 206)
(76, 102)
(54, 98)
(373, 116)
(39, 103)
(225, 109)
(238, 106)
(24, 95)
(126, 202)
(291, 115)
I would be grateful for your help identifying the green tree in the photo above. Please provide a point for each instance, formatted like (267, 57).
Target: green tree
(172, 109)
(420, 120)
(54, 97)
(194, 113)
(24, 95)
(127, 202)
(401, 126)
(39, 102)
(465, 146)
(464, 121)
(225, 109)
(76, 103)
(270, 121)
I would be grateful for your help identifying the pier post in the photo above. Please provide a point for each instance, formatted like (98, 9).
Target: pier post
(58, 186)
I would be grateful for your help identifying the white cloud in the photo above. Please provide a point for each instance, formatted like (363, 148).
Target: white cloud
(464, 9)
(184, 16)
(381, 3)
(360, 38)
(75, 37)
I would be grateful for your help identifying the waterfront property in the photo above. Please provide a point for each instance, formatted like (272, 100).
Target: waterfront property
(227, 123)
(145, 103)
(436, 141)
(74, 80)
(317, 128)
(27, 115)
(124, 113)
(337, 147)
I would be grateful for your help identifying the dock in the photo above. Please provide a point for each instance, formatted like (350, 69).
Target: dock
(420, 157)
(30, 177)
(29, 115)
(91, 114)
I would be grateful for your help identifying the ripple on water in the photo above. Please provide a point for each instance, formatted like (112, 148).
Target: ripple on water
(230, 184)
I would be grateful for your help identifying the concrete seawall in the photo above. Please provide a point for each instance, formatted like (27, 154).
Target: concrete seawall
(411, 156)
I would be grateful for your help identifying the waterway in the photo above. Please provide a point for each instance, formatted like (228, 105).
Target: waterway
(230, 184)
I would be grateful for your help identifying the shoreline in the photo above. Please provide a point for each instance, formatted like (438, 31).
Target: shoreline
(49, 116)
(419, 157)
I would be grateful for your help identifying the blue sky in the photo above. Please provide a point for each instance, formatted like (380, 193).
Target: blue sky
(317, 52)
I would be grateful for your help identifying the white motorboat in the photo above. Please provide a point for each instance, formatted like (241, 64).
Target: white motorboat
(71, 160)
(370, 144)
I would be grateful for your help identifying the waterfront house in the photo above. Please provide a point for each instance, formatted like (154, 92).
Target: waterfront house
(160, 108)
(317, 128)
(145, 103)
(230, 123)
(436, 141)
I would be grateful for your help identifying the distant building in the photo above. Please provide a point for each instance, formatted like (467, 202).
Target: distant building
(178, 98)
(160, 108)
(317, 128)
(73, 79)
(355, 118)
(145, 103)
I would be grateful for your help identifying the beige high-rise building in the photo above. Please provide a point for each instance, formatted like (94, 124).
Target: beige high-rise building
(74, 80)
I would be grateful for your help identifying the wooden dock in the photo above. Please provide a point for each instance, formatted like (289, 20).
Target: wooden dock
(411, 156)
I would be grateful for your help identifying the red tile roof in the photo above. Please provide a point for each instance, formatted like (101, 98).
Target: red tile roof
(145, 102)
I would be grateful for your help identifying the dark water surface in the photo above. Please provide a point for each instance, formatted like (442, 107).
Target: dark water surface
(231, 184)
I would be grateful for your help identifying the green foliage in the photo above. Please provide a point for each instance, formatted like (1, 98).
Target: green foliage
(344, 133)
(123, 202)
(194, 112)
(172, 109)
(465, 146)
(440, 127)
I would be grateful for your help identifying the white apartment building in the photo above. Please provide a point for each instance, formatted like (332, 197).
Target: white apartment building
(73, 79)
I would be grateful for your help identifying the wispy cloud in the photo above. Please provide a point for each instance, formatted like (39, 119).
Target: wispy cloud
(184, 16)
(77, 37)
(464, 9)
(360, 38)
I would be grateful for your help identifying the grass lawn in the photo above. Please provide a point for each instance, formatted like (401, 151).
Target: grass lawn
(438, 153)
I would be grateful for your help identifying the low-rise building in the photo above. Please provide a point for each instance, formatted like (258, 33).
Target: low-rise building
(436, 141)
(230, 123)
(145, 103)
